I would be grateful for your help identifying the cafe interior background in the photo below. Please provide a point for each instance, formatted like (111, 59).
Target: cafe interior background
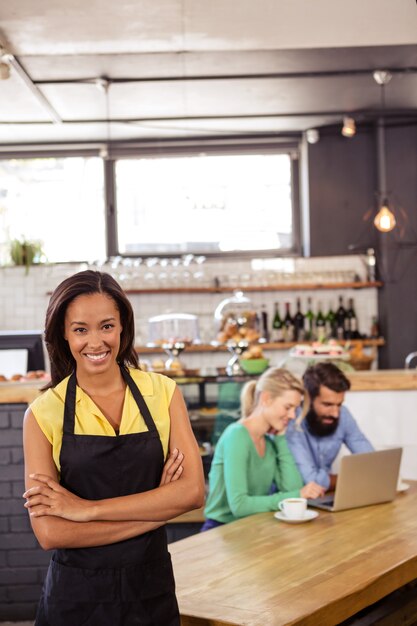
(193, 148)
(94, 101)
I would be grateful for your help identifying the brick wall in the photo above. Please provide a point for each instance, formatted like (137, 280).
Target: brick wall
(22, 562)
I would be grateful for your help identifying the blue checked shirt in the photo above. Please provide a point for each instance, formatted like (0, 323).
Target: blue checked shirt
(314, 455)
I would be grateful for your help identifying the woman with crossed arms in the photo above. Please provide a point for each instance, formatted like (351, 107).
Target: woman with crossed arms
(109, 458)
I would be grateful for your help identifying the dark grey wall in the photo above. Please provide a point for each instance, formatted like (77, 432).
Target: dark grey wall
(398, 298)
(342, 186)
(22, 562)
(342, 177)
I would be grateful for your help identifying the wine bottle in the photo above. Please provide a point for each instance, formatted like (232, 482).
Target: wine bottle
(309, 322)
(288, 324)
(351, 322)
(264, 323)
(331, 328)
(298, 323)
(340, 319)
(320, 324)
(277, 325)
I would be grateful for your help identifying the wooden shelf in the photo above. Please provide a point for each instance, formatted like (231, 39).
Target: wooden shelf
(203, 347)
(252, 288)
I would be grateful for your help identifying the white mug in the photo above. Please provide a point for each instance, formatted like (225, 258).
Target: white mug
(293, 508)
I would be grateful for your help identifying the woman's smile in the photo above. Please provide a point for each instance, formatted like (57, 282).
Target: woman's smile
(97, 356)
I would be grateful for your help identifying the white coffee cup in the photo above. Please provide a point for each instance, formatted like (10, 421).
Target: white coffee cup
(293, 508)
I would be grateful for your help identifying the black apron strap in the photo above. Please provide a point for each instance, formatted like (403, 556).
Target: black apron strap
(69, 411)
(139, 399)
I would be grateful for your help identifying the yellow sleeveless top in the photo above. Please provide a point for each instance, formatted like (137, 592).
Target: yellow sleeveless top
(156, 389)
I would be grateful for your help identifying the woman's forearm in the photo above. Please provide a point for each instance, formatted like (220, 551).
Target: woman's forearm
(158, 504)
(54, 532)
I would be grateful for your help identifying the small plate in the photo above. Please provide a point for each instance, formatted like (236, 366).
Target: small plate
(307, 518)
(402, 486)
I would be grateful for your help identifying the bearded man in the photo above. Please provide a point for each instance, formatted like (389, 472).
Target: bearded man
(316, 439)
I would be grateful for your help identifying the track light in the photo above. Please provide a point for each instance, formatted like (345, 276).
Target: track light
(4, 70)
(312, 135)
(382, 77)
(4, 63)
(349, 127)
(385, 220)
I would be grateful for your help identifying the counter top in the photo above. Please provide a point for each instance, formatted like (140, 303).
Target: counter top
(372, 380)
(20, 393)
(383, 380)
(259, 571)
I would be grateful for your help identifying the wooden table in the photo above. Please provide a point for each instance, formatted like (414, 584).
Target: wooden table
(263, 572)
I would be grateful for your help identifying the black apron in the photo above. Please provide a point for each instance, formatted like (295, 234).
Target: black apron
(126, 583)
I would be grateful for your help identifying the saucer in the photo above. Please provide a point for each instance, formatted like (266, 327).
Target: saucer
(309, 515)
(402, 486)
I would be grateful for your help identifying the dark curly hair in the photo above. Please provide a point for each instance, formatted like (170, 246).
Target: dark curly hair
(326, 374)
(85, 283)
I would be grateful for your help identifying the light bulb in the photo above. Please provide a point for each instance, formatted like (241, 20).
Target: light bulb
(384, 220)
(349, 127)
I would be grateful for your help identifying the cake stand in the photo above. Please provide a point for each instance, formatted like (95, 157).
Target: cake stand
(237, 348)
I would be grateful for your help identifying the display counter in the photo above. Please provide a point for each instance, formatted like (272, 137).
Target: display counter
(20, 392)
(373, 380)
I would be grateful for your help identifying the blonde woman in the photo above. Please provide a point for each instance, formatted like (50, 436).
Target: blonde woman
(253, 469)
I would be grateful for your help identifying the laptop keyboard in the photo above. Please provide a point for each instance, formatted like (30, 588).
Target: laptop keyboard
(328, 500)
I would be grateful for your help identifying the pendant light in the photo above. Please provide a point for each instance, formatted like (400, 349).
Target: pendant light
(385, 219)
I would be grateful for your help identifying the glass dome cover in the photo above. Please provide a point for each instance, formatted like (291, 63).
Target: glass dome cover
(173, 328)
(236, 320)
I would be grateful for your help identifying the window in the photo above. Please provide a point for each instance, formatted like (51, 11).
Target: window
(57, 202)
(205, 204)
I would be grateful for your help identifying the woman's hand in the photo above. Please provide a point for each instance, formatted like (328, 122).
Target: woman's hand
(312, 490)
(173, 468)
(50, 498)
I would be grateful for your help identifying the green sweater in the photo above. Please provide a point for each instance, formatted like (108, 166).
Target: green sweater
(240, 480)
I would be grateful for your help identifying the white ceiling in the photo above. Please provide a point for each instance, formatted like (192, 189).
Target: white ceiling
(191, 68)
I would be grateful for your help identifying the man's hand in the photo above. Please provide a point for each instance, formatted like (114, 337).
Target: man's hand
(312, 490)
(50, 498)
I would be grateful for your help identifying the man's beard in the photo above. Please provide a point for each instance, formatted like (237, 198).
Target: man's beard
(316, 426)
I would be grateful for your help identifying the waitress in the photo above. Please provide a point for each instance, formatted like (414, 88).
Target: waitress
(109, 458)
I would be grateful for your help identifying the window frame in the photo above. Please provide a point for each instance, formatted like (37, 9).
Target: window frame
(188, 148)
(176, 147)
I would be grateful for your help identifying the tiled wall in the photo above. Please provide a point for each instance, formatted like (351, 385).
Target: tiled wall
(24, 296)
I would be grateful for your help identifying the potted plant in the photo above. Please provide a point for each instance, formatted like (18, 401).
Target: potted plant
(24, 252)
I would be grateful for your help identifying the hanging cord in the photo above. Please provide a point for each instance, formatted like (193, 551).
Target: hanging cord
(103, 83)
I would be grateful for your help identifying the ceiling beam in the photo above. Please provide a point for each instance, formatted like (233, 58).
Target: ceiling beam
(365, 114)
(215, 77)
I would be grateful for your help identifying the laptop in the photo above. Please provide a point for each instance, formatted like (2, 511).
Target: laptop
(363, 479)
